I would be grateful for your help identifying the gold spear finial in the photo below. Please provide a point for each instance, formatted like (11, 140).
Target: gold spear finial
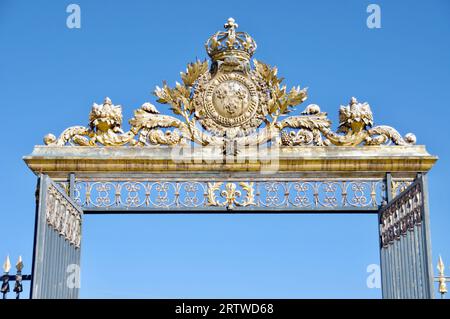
(440, 266)
(7, 265)
(19, 264)
(441, 278)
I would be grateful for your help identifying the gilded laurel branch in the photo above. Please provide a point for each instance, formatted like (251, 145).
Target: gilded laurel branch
(180, 98)
(281, 102)
(229, 100)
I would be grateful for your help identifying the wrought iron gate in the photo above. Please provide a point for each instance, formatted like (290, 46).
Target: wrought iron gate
(406, 268)
(56, 256)
(231, 146)
(404, 221)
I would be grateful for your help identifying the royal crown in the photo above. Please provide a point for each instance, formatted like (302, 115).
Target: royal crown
(228, 43)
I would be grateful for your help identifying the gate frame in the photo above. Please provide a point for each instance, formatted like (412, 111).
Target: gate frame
(395, 166)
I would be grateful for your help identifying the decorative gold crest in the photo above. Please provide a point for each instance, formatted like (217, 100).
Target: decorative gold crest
(229, 104)
(230, 101)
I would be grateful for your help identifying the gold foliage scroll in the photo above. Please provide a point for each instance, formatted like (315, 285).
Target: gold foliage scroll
(230, 101)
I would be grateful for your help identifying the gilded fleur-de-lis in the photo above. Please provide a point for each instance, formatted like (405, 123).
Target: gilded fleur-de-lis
(230, 194)
(220, 93)
(231, 25)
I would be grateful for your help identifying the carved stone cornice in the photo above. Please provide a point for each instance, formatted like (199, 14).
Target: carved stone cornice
(57, 160)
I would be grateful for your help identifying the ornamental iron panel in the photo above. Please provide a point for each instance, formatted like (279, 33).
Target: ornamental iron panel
(223, 195)
(405, 244)
(56, 257)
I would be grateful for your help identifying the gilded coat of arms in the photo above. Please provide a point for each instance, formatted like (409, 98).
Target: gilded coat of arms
(228, 100)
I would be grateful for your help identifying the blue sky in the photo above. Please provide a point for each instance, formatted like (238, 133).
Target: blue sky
(50, 76)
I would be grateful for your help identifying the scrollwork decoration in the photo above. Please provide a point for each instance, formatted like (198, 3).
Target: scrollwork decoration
(230, 100)
(63, 217)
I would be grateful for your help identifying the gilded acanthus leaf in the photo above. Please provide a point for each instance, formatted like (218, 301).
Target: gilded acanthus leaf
(144, 118)
(71, 132)
(158, 137)
(306, 122)
(212, 188)
(250, 194)
(385, 134)
(355, 116)
(106, 114)
(148, 122)
(308, 128)
(150, 108)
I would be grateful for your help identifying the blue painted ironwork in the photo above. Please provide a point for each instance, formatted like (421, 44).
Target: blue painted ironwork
(56, 257)
(295, 195)
(402, 206)
(17, 279)
(405, 244)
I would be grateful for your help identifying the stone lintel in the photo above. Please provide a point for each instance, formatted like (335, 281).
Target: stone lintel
(56, 160)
